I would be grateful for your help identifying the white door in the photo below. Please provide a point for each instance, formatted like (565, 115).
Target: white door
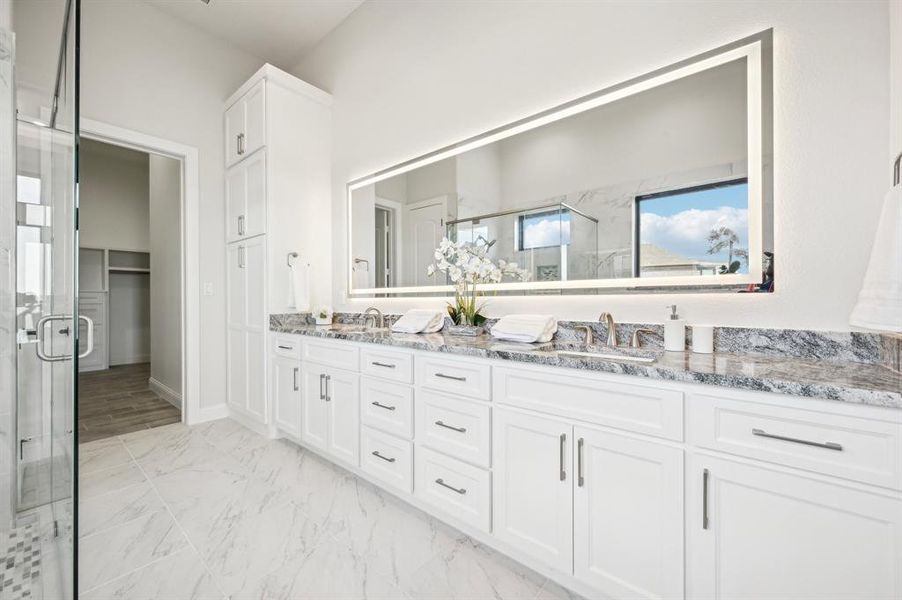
(533, 488)
(286, 388)
(314, 409)
(628, 516)
(254, 119)
(234, 130)
(424, 228)
(236, 197)
(255, 200)
(343, 400)
(759, 534)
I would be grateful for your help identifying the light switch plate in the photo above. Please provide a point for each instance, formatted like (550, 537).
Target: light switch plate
(208, 288)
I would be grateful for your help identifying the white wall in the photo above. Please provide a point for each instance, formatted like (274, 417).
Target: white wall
(165, 272)
(460, 69)
(113, 198)
(896, 78)
(144, 70)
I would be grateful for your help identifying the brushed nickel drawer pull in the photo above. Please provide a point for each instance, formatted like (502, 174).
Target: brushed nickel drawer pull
(385, 406)
(381, 364)
(451, 427)
(705, 476)
(286, 347)
(460, 491)
(563, 443)
(827, 445)
(328, 395)
(295, 378)
(454, 377)
(580, 480)
(385, 458)
(322, 379)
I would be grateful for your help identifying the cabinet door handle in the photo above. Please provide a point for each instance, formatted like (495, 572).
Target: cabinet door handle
(240, 224)
(827, 445)
(295, 379)
(322, 379)
(705, 477)
(451, 427)
(442, 483)
(563, 443)
(580, 480)
(240, 144)
(385, 406)
(454, 377)
(286, 348)
(381, 364)
(240, 257)
(385, 458)
(328, 395)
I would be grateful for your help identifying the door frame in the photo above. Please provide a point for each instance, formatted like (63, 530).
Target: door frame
(190, 259)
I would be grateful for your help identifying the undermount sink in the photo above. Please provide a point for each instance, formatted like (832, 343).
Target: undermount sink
(637, 355)
(356, 328)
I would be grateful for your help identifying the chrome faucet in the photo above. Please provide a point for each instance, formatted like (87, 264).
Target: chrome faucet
(636, 341)
(590, 337)
(608, 319)
(378, 319)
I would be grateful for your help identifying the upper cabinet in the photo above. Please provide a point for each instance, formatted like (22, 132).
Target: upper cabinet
(246, 198)
(245, 124)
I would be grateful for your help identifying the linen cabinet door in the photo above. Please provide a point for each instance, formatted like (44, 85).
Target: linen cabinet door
(236, 203)
(314, 411)
(255, 195)
(254, 119)
(343, 401)
(234, 132)
(533, 490)
(236, 317)
(286, 391)
(759, 534)
(628, 516)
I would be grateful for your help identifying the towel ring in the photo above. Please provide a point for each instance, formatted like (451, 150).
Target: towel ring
(289, 257)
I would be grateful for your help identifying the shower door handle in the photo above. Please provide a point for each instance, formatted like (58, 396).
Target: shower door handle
(41, 327)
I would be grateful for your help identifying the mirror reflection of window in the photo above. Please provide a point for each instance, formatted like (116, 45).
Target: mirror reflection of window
(700, 230)
(543, 230)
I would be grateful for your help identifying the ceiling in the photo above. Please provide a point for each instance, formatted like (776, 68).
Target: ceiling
(277, 31)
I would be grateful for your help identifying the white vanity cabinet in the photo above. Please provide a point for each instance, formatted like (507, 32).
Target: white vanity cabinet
(758, 533)
(613, 486)
(277, 139)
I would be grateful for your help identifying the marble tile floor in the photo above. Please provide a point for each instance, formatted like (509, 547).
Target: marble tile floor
(217, 511)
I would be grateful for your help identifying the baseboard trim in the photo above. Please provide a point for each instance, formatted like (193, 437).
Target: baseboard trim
(165, 392)
(207, 413)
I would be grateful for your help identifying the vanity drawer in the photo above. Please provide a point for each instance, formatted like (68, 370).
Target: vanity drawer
(331, 353)
(387, 406)
(394, 365)
(453, 487)
(471, 379)
(387, 458)
(638, 408)
(859, 449)
(459, 428)
(286, 345)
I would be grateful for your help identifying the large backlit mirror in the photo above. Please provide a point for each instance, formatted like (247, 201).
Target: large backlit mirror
(661, 182)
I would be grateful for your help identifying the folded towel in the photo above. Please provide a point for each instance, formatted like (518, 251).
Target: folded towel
(525, 328)
(299, 275)
(419, 320)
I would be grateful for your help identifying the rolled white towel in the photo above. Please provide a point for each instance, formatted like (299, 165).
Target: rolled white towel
(419, 320)
(525, 328)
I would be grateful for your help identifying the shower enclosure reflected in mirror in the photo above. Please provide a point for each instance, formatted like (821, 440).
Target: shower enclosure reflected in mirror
(660, 182)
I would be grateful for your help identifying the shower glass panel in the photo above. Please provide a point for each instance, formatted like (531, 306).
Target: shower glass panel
(40, 329)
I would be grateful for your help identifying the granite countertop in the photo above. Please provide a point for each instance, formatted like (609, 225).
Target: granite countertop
(858, 383)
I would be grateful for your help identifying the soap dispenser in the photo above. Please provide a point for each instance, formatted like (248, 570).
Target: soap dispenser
(674, 331)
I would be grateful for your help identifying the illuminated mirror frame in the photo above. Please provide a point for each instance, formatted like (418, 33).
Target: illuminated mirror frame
(755, 50)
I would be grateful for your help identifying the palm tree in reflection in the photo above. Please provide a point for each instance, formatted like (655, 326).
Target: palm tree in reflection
(724, 238)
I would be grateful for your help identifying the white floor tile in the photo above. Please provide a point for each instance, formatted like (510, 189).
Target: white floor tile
(115, 508)
(109, 480)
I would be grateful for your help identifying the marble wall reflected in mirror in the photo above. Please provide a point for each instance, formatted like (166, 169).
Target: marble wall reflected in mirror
(657, 182)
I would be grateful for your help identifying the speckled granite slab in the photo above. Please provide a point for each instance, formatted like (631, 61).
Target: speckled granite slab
(847, 382)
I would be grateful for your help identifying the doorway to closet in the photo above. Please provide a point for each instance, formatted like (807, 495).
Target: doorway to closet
(130, 285)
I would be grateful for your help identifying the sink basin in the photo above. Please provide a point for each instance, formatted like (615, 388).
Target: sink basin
(356, 328)
(636, 355)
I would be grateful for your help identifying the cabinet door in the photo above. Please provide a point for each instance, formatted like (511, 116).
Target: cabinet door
(256, 375)
(533, 491)
(628, 516)
(234, 127)
(314, 409)
(254, 119)
(286, 393)
(255, 195)
(236, 283)
(236, 197)
(343, 400)
(236, 315)
(237, 375)
(760, 534)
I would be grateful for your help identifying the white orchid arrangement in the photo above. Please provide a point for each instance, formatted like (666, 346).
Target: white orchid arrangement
(468, 265)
